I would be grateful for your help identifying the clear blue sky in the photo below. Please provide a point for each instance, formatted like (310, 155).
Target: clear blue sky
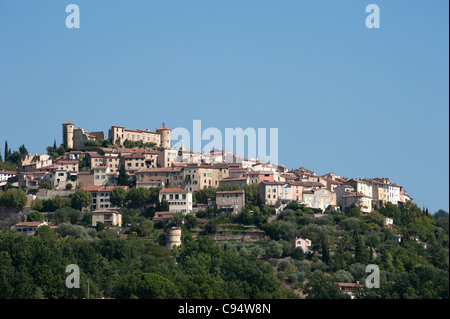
(355, 101)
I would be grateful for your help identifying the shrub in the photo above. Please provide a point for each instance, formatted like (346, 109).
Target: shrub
(343, 276)
(319, 265)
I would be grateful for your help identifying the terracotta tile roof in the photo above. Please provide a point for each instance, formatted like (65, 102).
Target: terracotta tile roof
(173, 190)
(126, 150)
(308, 184)
(67, 162)
(86, 173)
(229, 192)
(273, 183)
(8, 172)
(355, 194)
(67, 123)
(94, 154)
(162, 128)
(30, 224)
(133, 156)
(233, 179)
(331, 181)
(346, 284)
(101, 188)
(159, 216)
(149, 181)
(105, 211)
(161, 170)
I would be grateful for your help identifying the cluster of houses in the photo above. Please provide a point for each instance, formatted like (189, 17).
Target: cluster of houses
(183, 172)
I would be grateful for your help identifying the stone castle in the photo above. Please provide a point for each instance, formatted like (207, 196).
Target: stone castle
(77, 137)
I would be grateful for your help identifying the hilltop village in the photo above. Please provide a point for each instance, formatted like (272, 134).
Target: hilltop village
(149, 162)
(207, 215)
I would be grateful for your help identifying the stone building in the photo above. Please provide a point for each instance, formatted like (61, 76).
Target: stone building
(230, 201)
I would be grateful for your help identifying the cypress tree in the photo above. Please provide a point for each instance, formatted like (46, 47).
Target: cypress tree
(65, 139)
(122, 179)
(361, 254)
(6, 151)
(325, 251)
(340, 259)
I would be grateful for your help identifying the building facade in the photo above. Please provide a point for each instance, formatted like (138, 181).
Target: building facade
(107, 217)
(358, 199)
(179, 199)
(230, 201)
(303, 243)
(28, 228)
(319, 198)
(274, 193)
(101, 197)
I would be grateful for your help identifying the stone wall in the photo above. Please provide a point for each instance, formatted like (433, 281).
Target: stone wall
(50, 193)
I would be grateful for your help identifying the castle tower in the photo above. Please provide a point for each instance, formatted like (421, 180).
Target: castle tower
(173, 237)
(68, 134)
(164, 133)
